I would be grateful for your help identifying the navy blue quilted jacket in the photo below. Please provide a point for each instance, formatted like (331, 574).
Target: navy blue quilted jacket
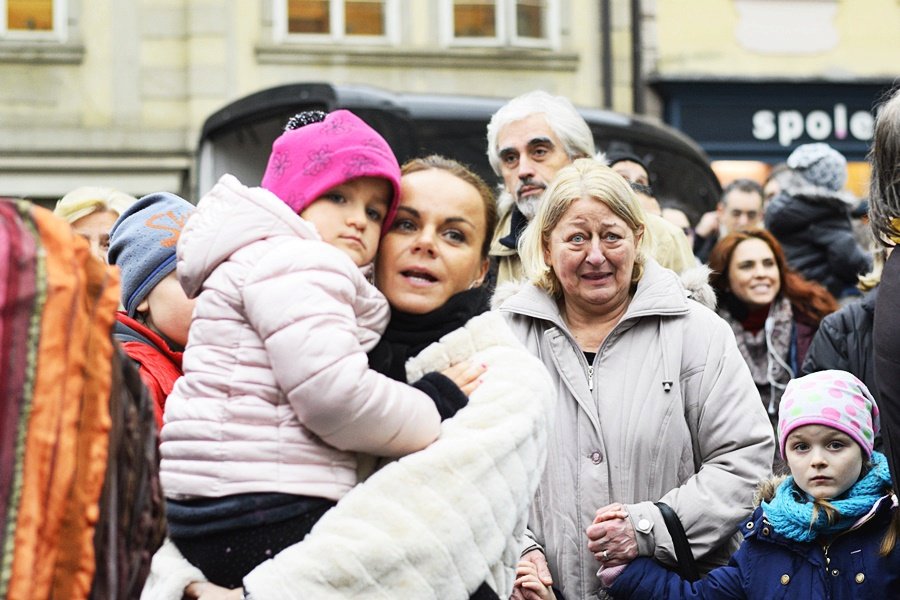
(771, 567)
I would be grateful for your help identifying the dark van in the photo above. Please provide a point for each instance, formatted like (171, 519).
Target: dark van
(237, 139)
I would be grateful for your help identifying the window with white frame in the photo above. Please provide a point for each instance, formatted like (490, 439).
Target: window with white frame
(501, 22)
(369, 21)
(32, 19)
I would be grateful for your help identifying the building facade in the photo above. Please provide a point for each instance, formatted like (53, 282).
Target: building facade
(115, 92)
(750, 80)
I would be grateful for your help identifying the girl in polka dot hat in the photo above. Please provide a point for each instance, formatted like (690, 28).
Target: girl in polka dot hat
(828, 530)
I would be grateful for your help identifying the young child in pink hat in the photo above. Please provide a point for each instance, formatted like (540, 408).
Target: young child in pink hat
(829, 530)
(262, 434)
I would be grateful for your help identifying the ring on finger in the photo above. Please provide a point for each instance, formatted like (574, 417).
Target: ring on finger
(605, 556)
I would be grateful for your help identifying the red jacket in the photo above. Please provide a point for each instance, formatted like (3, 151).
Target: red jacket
(158, 364)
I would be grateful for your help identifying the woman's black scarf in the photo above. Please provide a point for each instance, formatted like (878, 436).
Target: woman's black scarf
(409, 334)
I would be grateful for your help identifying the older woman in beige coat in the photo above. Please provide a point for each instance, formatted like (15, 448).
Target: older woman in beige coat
(654, 400)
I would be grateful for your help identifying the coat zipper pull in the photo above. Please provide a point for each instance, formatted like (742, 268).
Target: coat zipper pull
(590, 378)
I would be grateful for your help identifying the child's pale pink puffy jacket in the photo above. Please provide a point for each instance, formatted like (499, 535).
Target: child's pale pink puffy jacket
(277, 394)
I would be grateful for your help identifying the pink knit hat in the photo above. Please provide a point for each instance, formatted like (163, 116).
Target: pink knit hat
(832, 398)
(312, 158)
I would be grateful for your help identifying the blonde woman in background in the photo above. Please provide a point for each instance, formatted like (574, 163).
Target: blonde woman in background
(91, 211)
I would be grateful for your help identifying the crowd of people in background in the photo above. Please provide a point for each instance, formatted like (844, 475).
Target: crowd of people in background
(356, 378)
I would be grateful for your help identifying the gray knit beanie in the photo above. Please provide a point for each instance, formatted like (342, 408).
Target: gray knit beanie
(821, 165)
(142, 244)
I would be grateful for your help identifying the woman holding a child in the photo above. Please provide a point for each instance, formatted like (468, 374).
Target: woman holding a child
(654, 401)
(448, 521)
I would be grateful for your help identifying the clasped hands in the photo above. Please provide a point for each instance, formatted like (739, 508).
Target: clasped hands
(611, 536)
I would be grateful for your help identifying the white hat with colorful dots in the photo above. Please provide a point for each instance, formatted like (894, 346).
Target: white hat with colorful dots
(832, 398)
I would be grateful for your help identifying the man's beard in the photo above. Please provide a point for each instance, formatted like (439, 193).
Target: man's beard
(528, 205)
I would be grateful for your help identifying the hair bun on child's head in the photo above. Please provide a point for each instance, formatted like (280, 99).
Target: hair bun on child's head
(316, 154)
(832, 398)
(307, 117)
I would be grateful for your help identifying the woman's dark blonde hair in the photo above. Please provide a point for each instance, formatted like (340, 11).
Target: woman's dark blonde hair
(460, 171)
(889, 541)
(869, 281)
(884, 190)
(584, 178)
(884, 215)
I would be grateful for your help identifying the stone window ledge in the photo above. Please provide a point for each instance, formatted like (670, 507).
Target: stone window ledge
(18, 51)
(472, 58)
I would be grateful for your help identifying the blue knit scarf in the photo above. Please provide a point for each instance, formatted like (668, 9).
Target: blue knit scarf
(790, 511)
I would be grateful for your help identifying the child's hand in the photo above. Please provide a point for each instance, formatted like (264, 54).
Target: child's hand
(607, 575)
(466, 375)
(610, 512)
(203, 590)
(527, 579)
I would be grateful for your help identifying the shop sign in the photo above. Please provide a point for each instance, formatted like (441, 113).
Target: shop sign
(765, 120)
(787, 126)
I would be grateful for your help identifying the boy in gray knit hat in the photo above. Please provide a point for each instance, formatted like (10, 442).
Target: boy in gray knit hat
(153, 328)
(811, 219)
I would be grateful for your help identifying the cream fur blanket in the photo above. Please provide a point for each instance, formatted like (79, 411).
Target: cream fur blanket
(434, 524)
